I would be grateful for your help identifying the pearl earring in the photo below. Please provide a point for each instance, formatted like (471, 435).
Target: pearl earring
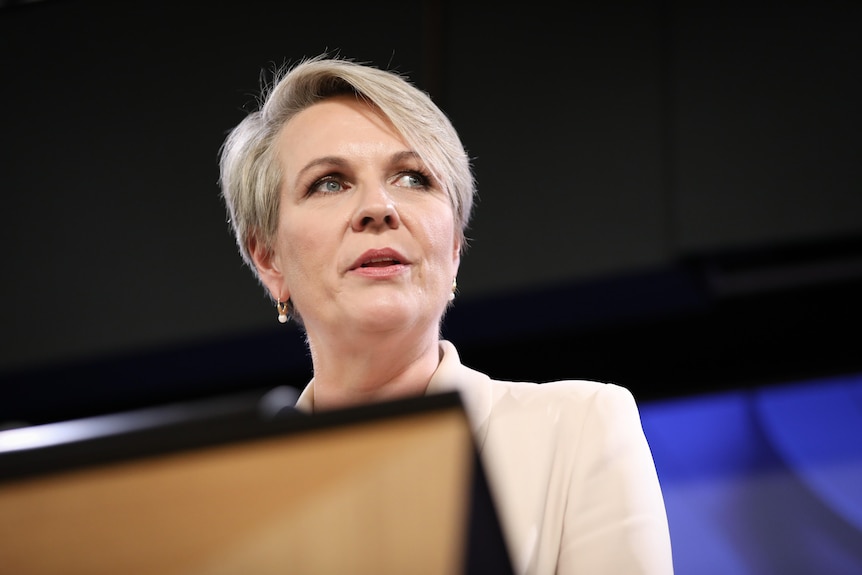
(281, 307)
(454, 287)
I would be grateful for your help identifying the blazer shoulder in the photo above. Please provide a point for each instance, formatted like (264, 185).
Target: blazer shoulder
(579, 391)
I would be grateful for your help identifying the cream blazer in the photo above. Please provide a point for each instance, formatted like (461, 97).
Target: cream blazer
(570, 470)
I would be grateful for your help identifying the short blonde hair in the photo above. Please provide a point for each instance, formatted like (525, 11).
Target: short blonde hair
(250, 175)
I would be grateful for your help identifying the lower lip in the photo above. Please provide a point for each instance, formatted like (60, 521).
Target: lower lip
(380, 272)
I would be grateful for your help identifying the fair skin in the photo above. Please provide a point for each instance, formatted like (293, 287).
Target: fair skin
(366, 249)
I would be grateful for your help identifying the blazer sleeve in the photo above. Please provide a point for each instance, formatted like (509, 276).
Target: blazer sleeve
(615, 519)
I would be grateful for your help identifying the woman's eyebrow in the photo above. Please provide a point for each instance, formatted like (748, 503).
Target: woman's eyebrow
(339, 162)
(405, 155)
(323, 161)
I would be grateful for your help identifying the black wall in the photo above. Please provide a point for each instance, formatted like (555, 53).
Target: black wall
(670, 196)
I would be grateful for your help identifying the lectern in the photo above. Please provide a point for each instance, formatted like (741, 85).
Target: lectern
(394, 487)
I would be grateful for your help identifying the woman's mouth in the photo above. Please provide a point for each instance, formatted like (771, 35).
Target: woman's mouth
(380, 262)
(379, 258)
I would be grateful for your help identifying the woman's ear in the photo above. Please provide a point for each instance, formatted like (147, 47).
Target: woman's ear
(268, 269)
(456, 253)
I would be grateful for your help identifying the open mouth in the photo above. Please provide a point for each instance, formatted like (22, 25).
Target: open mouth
(380, 262)
(380, 258)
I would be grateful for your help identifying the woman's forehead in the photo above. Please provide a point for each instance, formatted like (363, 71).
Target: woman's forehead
(337, 129)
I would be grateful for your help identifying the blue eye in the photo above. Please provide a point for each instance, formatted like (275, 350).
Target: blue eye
(330, 186)
(411, 180)
(326, 185)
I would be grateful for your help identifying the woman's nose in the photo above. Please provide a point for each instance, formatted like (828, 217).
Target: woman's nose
(375, 209)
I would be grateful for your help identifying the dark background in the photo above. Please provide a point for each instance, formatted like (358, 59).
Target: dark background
(670, 196)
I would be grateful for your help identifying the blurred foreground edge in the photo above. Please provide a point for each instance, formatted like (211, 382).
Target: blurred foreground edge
(247, 484)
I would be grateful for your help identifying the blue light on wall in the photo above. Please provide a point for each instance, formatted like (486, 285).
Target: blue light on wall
(766, 480)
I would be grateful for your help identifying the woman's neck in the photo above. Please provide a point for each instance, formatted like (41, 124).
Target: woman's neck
(354, 371)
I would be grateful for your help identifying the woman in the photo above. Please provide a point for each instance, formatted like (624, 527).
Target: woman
(349, 192)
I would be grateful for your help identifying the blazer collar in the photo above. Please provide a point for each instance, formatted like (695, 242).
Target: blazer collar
(474, 388)
(451, 375)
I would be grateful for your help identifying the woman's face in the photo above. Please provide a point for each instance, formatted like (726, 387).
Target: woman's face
(366, 239)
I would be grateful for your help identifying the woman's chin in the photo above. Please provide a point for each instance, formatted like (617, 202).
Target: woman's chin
(386, 316)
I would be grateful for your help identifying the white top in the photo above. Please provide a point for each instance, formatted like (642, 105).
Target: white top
(569, 467)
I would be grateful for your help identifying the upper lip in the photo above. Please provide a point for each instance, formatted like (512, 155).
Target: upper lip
(379, 255)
